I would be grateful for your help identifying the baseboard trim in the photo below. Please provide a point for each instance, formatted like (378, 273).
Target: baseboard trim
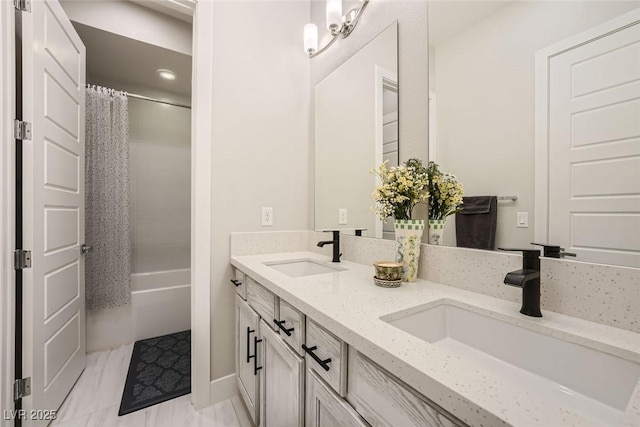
(223, 388)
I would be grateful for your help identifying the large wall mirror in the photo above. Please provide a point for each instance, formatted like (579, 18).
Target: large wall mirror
(356, 129)
(556, 140)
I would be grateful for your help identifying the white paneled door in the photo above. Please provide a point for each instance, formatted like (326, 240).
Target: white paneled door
(53, 204)
(594, 148)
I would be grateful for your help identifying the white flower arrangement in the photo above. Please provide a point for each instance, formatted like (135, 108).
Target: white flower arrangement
(402, 188)
(446, 193)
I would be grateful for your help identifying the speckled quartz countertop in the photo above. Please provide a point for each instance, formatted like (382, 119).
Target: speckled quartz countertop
(349, 305)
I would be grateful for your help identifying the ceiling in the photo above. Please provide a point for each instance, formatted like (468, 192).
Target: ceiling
(448, 18)
(114, 57)
(180, 9)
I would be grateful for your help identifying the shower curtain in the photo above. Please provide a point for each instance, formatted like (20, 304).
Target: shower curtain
(107, 225)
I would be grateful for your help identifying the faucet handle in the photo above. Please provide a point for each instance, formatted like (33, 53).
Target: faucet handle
(526, 253)
(554, 251)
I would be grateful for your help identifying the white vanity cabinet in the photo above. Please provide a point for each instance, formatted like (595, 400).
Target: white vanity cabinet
(383, 400)
(325, 408)
(247, 372)
(238, 280)
(292, 372)
(282, 390)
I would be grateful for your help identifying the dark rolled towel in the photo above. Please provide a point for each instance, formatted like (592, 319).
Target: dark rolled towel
(476, 222)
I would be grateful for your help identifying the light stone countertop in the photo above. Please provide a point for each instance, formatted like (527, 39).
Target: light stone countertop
(348, 304)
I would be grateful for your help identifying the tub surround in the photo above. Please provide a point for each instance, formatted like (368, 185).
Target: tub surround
(349, 305)
(605, 294)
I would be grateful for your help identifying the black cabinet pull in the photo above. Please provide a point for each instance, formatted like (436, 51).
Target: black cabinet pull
(281, 326)
(236, 282)
(249, 332)
(256, 368)
(310, 351)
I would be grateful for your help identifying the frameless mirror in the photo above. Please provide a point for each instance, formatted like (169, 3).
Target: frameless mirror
(356, 129)
(538, 103)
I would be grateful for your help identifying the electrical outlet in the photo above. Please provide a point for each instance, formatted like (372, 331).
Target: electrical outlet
(267, 216)
(522, 219)
(342, 216)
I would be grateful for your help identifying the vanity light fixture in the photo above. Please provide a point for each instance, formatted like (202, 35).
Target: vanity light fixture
(340, 26)
(166, 74)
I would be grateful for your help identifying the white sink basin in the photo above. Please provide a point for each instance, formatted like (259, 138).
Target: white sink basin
(592, 383)
(303, 267)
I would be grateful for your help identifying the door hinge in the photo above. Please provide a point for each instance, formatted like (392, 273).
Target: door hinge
(22, 130)
(22, 5)
(21, 388)
(21, 259)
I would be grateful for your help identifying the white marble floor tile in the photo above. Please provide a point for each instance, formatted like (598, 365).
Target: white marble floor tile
(107, 418)
(179, 413)
(100, 385)
(95, 400)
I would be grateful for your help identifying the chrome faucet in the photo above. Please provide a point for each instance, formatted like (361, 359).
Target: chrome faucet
(336, 245)
(528, 278)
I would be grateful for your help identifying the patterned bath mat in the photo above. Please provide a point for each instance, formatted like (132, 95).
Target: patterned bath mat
(160, 370)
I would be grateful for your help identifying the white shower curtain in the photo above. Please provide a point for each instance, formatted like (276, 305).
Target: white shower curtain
(107, 224)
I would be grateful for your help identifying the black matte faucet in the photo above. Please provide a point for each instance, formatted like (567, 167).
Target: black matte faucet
(336, 245)
(528, 279)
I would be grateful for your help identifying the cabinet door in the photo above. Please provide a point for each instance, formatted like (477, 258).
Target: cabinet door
(326, 409)
(282, 391)
(383, 400)
(248, 377)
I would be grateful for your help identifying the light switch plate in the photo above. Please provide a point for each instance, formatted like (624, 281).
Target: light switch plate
(267, 216)
(342, 216)
(522, 219)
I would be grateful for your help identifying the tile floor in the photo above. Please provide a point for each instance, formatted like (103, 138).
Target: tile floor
(95, 399)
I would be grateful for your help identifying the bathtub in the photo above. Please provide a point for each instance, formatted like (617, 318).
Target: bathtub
(160, 303)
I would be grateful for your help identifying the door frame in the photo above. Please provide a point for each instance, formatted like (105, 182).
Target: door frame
(201, 140)
(7, 201)
(542, 64)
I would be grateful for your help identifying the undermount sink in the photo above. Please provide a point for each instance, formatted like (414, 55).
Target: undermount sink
(593, 383)
(302, 267)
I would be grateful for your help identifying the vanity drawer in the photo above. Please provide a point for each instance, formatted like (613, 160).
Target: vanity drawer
(292, 329)
(239, 281)
(261, 300)
(383, 400)
(327, 356)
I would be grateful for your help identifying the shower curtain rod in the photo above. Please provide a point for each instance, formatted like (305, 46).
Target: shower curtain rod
(148, 98)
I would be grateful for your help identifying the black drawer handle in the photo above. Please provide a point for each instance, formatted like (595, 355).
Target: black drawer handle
(280, 324)
(310, 351)
(249, 332)
(236, 282)
(256, 368)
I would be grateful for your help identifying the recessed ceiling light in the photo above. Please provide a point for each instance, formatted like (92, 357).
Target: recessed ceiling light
(166, 74)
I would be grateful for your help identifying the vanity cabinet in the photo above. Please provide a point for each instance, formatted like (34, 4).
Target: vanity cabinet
(261, 300)
(327, 355)
(247, 372)
(238, 280)
(325, 408)
(282, 391)
(382, 400)
(293, 372)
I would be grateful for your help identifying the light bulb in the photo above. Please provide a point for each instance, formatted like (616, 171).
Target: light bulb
(334, 15)
(310, 38)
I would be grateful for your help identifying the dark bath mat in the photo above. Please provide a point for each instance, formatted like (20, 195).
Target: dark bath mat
(160, 370)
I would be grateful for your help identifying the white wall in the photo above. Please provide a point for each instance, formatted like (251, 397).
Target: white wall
(134, 21)
(160, 149)
(260, 133)
(484, 83)
(345, 135)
